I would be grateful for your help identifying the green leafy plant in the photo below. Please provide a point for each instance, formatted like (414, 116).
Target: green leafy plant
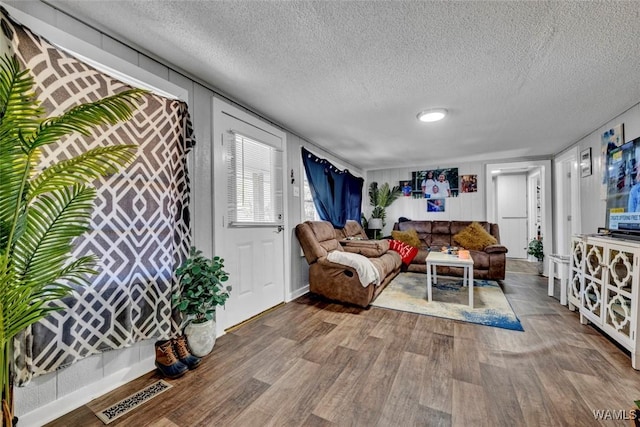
(42, 212)
(201, 286)
(363, 221)
(535, 249)
(381, 197)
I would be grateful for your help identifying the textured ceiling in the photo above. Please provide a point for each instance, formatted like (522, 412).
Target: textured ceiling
(519, 78)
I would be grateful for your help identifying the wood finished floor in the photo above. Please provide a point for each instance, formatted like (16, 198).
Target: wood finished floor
(313, 363)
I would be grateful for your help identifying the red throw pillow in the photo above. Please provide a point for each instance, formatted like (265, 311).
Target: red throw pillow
(407, 252)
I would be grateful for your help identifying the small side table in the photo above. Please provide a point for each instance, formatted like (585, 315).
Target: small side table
(562, 261)
(439, 258)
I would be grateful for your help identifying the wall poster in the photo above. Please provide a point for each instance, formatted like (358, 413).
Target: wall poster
(435, 183)
(436, 205)
(585, 163)
(468, 183)
(611, 139)
(406, 187)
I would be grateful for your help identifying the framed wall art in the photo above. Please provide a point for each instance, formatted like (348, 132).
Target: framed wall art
(436, 205)
(406, 188)
(435, 183)
(609, 140)
(468, 183)
(585, 162)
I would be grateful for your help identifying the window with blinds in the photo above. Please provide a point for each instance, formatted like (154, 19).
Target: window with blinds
(254, 183)
(309, 211)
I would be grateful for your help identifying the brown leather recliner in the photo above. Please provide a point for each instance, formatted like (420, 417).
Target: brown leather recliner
(341, 282)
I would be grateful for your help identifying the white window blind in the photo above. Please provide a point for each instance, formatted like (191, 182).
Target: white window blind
(308, 207)
(254, 182)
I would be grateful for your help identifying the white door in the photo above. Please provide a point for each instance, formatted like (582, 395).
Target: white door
(249, 211)
(511, 210)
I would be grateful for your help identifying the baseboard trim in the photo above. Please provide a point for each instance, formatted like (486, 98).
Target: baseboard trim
(298, 293)
(71, 401)
(252, 318)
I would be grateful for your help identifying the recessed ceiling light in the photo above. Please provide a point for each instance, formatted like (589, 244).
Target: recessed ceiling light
(432, 115)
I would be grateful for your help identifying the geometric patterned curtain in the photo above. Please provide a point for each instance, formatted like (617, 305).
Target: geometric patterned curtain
(140, 227)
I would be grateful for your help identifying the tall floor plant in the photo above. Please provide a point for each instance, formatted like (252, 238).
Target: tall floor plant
(41, 212)
(381, 197)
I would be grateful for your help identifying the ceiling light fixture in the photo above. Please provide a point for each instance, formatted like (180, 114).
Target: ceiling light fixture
(432, 115)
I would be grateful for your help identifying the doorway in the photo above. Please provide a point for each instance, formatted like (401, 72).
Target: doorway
(512, 212)
(249, 212)
(541, 167)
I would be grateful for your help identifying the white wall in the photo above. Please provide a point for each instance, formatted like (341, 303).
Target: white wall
(592, 205)
(467, 206)
(479, 206)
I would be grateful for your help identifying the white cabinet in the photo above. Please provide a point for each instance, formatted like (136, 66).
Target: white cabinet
(603, 285)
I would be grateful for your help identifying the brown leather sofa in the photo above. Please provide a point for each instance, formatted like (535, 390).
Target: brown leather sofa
(487, 264)
(338, 281)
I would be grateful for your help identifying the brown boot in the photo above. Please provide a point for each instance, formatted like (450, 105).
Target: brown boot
(167, 362)
(184, 352)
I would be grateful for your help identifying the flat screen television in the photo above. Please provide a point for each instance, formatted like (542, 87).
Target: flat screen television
(623, 190)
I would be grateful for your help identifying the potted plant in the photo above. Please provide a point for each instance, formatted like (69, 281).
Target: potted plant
(381, 197)
(536, 250)
(200, 291)
(43, 211)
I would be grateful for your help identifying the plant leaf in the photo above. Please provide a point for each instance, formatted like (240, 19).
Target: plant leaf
(85, 117)
(83, 168)
(53, 221)
(19, 115)
(36, 232)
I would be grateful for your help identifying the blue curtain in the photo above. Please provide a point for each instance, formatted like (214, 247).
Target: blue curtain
(337, 195)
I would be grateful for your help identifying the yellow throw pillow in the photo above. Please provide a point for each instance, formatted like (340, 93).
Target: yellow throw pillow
(410, 237)
(474, 237)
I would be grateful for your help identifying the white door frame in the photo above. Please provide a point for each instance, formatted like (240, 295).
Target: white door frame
(219, 200)
(567, 162)
(533, 180)
(492, 169)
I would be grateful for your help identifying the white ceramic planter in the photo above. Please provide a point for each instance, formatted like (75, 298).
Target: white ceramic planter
(201, 337)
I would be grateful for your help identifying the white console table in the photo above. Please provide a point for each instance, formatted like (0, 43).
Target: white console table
(604, 284)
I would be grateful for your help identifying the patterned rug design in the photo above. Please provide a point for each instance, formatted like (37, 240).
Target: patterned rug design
(408, 292)
(130, 403)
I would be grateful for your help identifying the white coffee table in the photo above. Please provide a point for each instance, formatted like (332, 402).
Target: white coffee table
(435, 259)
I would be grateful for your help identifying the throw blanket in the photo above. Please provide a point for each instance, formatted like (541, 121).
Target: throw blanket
(363, 266)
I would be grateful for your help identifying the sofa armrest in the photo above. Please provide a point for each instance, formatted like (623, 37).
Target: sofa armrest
(338, 282)
(496, 249)
(368, 248)
(336, 273)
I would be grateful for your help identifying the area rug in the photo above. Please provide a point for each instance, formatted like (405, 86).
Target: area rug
(408, 292)
(130, 403)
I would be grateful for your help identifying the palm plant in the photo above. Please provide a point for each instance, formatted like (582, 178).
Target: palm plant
(43, 211)
(381, 197)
